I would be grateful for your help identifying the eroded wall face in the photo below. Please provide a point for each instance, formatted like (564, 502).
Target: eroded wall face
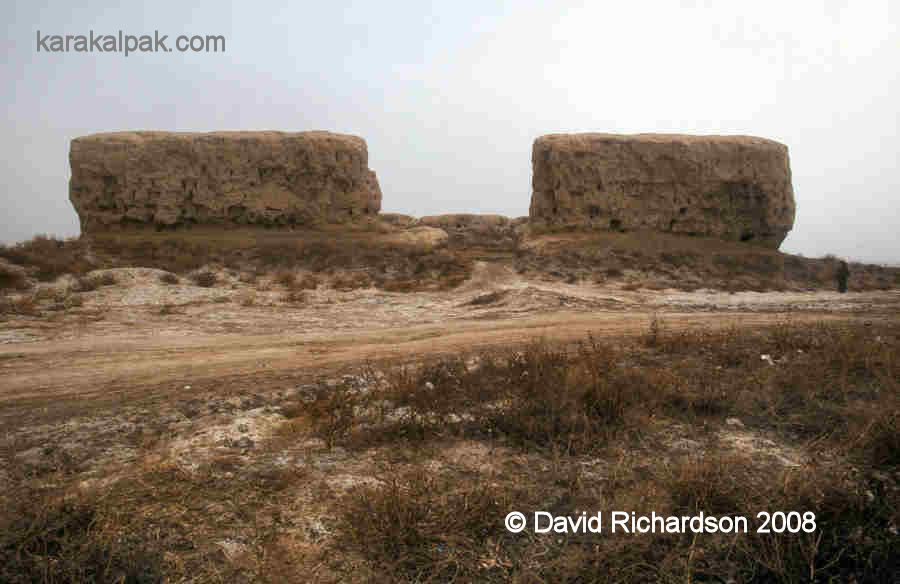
(171, 180)
(730, 187)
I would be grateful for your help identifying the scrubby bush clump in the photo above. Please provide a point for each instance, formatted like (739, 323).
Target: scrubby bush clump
(48, 257)
(832, 386)
(204, 279)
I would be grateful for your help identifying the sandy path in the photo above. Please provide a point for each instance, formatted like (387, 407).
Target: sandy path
(82, 367)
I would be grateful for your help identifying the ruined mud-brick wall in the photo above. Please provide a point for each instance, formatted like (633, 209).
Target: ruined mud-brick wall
(470, 229)
(169, 180)
(465, 229)
(729, 187)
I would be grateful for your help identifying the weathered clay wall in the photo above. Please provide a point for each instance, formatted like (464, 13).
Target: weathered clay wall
(169, 180)
(472, 229)
(730, 187)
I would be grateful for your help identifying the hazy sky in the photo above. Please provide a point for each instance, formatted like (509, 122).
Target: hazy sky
(450, 95)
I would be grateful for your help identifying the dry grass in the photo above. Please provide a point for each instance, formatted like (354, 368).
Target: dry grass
(287, 279)
(488, 298)
(49, 537)
(568, 428)
(91, 283)
(578, 403)
(167, 309)
(578, 399)
(204, 279)
(169, 278)
(12, 277)
(419, 527)
(369, 257)
(298, 297)
(247, 298)
(585, 427)
(665, 260)
(656, 260)
(26, 304)
(48, 257)
(308, 282)
(351, 281)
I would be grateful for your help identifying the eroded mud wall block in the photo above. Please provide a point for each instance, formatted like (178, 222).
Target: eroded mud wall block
(731, 187)
(171, 180)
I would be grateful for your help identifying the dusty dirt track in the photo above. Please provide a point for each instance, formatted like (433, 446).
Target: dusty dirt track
(78, 367)
(119, 348)
(140, 364)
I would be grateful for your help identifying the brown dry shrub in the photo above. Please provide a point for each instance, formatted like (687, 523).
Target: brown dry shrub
(87, 283)
(26, 304)
(50, 538)
(286, 278)
(488, 298)
(204, 279)
(175, 255)
(12, 277)
(167, 309)
(420, 527)
(351, 281)
(108, 279)
(48, 257)
(169, 278)
(247, 298)
(308, 282)
(295, 297)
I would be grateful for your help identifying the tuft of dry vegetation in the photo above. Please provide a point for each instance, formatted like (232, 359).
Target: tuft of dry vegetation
(204, 278)
(12, 277)
(167, 309)
(248, 277)
(488, 298)
(357, 260)
(404, 472)
(91, 283)
(308, 282)
(49, 537)
(658, 261)
(26, 304)
(47, 257)
(108, 279)
(835, 387)
(169, 278)
(421, 527)
(287, 279)
(588, 427)
(295, 297)
(652, 260)
(247, 298)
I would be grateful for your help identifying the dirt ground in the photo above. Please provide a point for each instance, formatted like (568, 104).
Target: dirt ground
(121, 342)
(145, 375)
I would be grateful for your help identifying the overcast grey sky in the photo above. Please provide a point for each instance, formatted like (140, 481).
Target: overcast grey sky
(450, 95)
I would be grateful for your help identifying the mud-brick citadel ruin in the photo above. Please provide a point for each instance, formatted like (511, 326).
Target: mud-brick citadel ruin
(735, 188)
(171, 180)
